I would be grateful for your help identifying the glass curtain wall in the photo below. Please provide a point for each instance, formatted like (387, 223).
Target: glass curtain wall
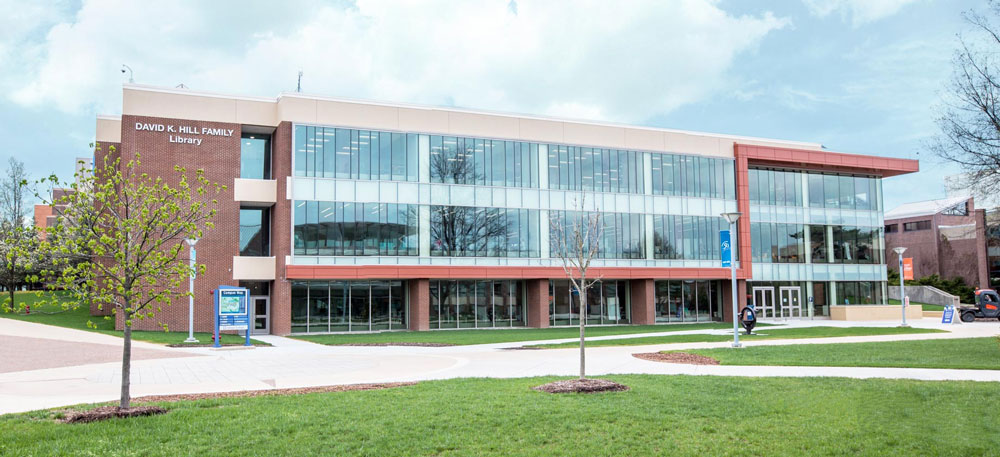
(785, 243)
(482, 162)
(860, 293)
(687, 301)
(778, 243)
(785, 188)
(687, 237)
(348, 306)
(467, 231)
(355, 229)
(622, 235)
(328, 152)
(693, 176)
(607, 303)
(595, 169)
(476, 304)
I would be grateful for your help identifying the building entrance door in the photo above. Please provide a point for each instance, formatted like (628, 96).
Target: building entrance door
(261, 306)
(763, 302)
(791, 305)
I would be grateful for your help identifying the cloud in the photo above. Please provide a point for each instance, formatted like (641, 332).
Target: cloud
(623, 61)
(859, 11)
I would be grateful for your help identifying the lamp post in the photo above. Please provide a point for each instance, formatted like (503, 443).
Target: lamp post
(191, 339)
(899, 250)
(732, 218)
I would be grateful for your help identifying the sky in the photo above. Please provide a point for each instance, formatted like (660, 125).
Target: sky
(859, 76)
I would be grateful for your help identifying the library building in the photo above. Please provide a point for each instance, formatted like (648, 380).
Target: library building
(346, 215)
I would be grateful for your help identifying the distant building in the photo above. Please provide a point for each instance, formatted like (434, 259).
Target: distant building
(47, 215)
(946, 237)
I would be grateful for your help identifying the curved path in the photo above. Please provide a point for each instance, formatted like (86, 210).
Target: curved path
(68, 371)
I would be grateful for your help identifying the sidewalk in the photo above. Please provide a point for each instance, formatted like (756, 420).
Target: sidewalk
(296, 363)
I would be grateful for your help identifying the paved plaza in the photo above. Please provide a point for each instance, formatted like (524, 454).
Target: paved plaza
(46, 366)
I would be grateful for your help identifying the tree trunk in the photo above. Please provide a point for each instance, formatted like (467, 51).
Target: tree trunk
(10, 290)
(126, 364)
(583, 319)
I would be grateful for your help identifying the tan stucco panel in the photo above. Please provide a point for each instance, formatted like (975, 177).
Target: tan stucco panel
(254, 112)
(873, 312)
(109, 130)
(178, 106)
(540, 130)
(356, 115)
(423, 120)
(295, 109)
(253, 268)
(645, 140)
(483, 125)
(594, 135)
(261, 192)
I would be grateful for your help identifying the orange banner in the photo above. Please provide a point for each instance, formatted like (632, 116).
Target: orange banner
(908, 268)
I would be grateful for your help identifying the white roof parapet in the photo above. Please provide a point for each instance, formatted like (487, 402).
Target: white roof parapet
(924, 208)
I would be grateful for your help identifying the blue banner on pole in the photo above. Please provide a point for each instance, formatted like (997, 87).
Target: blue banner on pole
(727, 248)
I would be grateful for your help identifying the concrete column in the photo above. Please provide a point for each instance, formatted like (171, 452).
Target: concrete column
(537, 309)
(643, 301)
(727, 298)
(420, 303)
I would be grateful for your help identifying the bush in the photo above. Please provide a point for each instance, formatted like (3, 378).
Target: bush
(955, 286)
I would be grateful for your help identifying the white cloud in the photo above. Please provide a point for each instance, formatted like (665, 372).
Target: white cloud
(623, 61)
(860, 12)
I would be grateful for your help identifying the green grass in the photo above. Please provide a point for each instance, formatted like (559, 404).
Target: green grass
(964, 353)
(926, 306)
(759, 334)
(48, 309)
(486, 336)
(660, 415)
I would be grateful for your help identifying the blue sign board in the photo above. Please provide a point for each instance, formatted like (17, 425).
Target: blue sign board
(232, 311)
(727, 248)
(948, 315)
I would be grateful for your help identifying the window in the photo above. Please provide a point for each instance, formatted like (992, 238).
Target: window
(348, 306)
(621, 237)
(703, 176)
(918, 225)
(255, 237)
(891, 228)
(327, 152)
(468, 231)
(961, 209)
(594, 169)
(335, 228)
(255, 156)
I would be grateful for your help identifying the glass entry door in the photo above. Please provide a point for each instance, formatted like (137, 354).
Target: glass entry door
(261, 306)
(791, 305)
(763, 302)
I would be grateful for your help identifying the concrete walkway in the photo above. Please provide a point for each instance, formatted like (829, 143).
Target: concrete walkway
(295, 363)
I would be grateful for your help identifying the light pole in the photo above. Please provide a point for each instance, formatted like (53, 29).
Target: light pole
(899, 250)
(191, 339)
(732, 218)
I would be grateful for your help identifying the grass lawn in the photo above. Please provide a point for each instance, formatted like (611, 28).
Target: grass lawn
(54, 314)
(965, 353)
(759, 334)
(661, 415)
(926, 306)
(485, 336)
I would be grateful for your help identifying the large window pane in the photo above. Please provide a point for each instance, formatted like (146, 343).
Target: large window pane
(255, 156)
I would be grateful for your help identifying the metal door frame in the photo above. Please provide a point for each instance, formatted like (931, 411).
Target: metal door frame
(762, 310)
(253, 303)
(791, 310)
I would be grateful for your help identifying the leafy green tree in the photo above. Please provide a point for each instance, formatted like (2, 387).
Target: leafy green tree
(19, 258)
(119, 242)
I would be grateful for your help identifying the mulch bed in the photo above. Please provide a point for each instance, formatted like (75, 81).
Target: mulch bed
(208, 345)
(583, 386)
(109, 412)
(676, 357)
(425, 345)
(270, 392)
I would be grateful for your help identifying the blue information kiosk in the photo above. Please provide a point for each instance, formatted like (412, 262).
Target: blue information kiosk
(232, 311)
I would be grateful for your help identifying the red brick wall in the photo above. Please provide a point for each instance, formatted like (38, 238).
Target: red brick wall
(281, 229)
(933, 254)
(420, 303)
(220, 158)
(643, 301)
(537, 309)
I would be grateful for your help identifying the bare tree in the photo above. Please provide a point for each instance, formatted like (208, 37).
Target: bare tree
(576, 241)
(970, 118)
(13, 191)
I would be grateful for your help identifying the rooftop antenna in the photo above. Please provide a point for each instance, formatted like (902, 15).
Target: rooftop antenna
(126, 67)
(181, 86)
(298, 88)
